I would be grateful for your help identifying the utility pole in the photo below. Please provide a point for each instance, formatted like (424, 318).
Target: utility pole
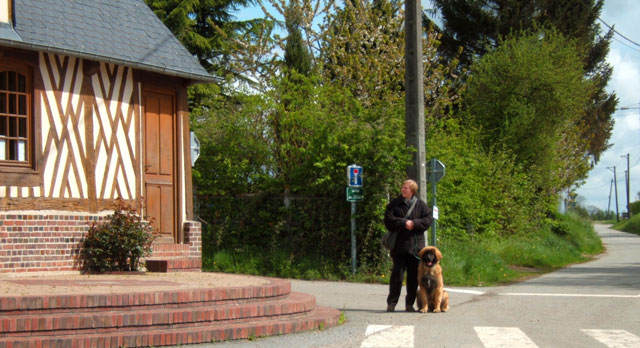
(609, 204)
(414, 95)
(627, 180)
(615, 184)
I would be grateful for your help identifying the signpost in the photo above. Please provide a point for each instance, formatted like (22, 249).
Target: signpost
(436, 172)
(355, 193)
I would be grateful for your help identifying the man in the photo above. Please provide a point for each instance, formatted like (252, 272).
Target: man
(410, 224)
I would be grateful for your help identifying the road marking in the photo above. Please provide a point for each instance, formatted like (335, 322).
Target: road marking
(476, 292)
(614, 338)
(566, 295)
(507, 337)
(463, 291)
(388, 336)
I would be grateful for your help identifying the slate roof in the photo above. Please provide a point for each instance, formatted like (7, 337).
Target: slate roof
(124, 32)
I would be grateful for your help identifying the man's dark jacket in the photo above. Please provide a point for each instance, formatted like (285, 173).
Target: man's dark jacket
(407, 242)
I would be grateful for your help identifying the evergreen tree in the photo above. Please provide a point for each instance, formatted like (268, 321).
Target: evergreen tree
(296, 55)
(478, 25)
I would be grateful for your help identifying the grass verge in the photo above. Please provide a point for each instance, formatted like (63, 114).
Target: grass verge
(632, 225)
(570, 239)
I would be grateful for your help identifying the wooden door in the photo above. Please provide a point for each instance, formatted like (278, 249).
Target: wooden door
(159, 164)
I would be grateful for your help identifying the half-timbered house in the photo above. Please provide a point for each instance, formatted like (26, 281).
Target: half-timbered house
(93, 109)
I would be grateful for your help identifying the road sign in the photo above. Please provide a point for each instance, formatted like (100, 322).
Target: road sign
(355, 194)
(354, 175)
(195, 148)
(436, 170)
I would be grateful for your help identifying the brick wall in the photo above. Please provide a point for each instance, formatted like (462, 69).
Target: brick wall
(193, 237)
(38, 242)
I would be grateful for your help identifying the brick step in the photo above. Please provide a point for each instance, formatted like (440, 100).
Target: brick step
(60, 324)
(318, 318)
(173, 264)
(16, 305)
(162, 250)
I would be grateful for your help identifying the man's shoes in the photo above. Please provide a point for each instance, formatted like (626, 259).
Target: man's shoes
(410, 309)
(391, 308)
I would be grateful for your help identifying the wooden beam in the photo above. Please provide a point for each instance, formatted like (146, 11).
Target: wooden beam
(90, 67)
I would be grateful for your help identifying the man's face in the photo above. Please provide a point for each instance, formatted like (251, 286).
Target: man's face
(406, 191)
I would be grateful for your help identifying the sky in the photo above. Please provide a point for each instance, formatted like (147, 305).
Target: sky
(624, 57)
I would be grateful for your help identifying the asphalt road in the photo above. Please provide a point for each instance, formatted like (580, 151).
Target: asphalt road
(595, 304)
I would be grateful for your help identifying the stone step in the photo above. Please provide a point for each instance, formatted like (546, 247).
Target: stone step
(319, 318)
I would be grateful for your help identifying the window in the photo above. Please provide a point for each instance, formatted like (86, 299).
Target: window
(15, 116)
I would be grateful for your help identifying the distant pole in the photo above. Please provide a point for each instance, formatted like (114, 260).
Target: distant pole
(414, 95)
(627, 180)
(609, 204)
(626, 184)
(615, 185)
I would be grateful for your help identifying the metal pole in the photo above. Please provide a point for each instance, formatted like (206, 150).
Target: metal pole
(434, 225)
(414, 95)
(353, 237)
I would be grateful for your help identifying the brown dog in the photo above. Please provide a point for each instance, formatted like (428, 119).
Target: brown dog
(431, 294)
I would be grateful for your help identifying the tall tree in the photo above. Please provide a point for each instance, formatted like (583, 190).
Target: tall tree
(363, 50)
(310, 12)
(296, 53)
(478, 25)
(528, 97)
(226, 47)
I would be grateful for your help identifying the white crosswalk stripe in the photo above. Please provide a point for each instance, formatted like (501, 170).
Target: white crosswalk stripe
(614, 338)
(496, 337)
(388, 336)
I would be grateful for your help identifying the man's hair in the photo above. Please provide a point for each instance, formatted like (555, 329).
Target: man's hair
(412, 185)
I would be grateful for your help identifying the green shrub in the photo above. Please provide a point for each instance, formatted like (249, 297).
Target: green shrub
(635, 208)
(632, 225)
(117, 244)
(469, 263)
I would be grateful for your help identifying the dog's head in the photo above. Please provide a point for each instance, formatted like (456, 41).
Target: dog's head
(430, 255)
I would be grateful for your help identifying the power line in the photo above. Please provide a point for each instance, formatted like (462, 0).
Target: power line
(625, 44)
(617, 32)
(618, 115)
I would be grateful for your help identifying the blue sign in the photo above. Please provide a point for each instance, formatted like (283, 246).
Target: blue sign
(354, 175)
